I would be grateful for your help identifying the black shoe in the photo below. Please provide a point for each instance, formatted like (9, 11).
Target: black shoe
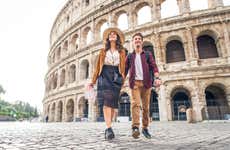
(136, 132)
(146, 133)
(109, 135)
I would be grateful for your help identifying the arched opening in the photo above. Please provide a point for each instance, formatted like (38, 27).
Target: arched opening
(198, 5)
(48, 113)
(122, 21)
(226, 2)
(70, 110)
(148, 46)
(75, 42)
(53, 58)
(65, 46)
(52, 112)
(154, 107)
(72, 73)
(89, 37)
(124, 105)
(180, 103)
(62, 82)
(174, 51)
(103, 27)
(55, 81)
(59, 111)
(83, 108)
(59, 53)
(84, 69)
(168, 5)
(145, 10)
(206, 47)
(217, 104)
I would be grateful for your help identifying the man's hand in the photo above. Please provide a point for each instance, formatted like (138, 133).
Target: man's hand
(157, 82)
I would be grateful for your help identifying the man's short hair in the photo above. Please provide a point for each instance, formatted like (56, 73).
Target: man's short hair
(138, 34)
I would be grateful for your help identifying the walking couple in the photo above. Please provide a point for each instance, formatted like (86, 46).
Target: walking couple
(111, 70)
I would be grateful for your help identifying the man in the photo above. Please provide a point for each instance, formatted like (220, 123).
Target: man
(139, 63)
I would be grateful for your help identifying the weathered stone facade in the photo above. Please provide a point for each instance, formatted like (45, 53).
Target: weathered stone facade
(192, 51)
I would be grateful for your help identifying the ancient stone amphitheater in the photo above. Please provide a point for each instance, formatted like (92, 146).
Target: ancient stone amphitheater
(192, 50)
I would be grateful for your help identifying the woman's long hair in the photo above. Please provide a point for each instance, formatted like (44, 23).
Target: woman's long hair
(119, 47)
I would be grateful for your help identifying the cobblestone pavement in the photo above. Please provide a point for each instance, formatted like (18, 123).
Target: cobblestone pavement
(64, 136)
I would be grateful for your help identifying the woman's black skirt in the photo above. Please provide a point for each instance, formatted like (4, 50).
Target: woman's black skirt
(109, 86)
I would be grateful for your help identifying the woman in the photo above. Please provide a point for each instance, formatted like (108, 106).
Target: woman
(110, 73)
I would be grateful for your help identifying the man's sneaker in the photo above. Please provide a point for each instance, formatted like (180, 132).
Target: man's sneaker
(109, 135)
(146, 133)
(136, 132)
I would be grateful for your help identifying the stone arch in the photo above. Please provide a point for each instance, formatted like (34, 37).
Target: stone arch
(72, 73)
(95, 59)
(83, 107)
(59, 111)
(167, 5)
(75, 42)
(55, 78)
(62, 77)
(121, 20)
(52, 112)
(65, 46)
(84, 69)
(100, 27)
(198, 5)
(70, 110)
(207, 42)
(48, 113)
(124, 105)
(180, 101)
(53, 58)
(59, 53)
(87, 36)
(139, 9)
(174, 50)
(216, 101)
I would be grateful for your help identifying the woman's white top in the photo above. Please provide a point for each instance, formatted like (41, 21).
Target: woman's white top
(112, 58)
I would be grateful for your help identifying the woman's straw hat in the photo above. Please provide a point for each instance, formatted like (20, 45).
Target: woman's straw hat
(118, 31)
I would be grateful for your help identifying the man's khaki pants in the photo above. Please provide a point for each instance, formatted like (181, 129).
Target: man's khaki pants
(140, 93)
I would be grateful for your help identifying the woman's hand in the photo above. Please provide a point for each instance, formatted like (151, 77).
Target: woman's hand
(90, 85)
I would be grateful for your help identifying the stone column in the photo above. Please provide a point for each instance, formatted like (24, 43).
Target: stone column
(215, 3)
(77, 71)
(162, 102)
(158, 51)
(112, 20)
(64, 116)
(131, 18)
(75, 109)
(90, 65)
(191, 48)
(90, 110)
(184, 6)
(226, 40)
(156, 11)
(197, 103)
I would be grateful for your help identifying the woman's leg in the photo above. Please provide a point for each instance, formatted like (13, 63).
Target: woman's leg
(107, 115)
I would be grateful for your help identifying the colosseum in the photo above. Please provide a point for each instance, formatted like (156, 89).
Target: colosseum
(191, 47)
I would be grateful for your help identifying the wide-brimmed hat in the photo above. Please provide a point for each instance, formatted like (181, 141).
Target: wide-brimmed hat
(118, 31)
